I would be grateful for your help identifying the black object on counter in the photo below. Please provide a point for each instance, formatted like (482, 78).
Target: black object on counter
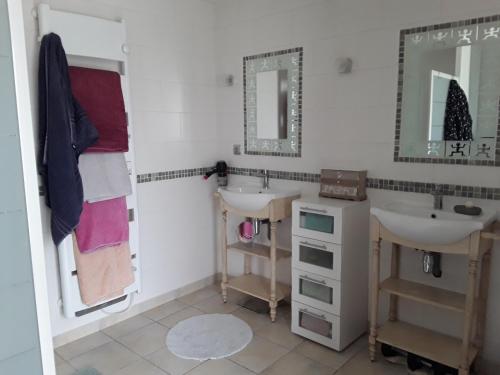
(464, 210)
(221, 170)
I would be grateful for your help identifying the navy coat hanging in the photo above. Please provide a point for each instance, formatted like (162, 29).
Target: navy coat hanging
(64, 133)
(457, 118)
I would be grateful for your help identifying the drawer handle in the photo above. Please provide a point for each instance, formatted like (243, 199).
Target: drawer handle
(305, 311)
(313, 210)
(305, 243)
(305, 277)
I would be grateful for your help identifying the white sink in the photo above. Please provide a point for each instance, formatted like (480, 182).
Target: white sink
(428, 226)
(252, 197)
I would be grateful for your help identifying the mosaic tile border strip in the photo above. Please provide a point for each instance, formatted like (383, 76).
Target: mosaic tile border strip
(159, 176)
(297, 154)
(172, 175)
(477, 192)
(399, 98)
(465, 191)
(280, 175)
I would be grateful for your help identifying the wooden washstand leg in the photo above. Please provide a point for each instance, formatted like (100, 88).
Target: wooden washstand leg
(375, 281)
(469, 316)
(484, 281)
(224, 256)
(272, 300)
(395, 260)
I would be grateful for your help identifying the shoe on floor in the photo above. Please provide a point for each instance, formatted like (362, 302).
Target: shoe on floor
(416, 365)
(421, 371)
(393, 356)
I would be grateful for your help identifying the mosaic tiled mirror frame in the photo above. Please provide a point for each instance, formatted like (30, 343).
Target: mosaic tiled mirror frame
(477, 25)
(292, 60)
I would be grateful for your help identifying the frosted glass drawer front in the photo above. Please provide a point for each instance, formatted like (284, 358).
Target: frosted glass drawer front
(316, 325)
(322, 258)
(318, 222)
(316, 291)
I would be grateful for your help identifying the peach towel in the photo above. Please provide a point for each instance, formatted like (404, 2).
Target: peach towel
(103, 274)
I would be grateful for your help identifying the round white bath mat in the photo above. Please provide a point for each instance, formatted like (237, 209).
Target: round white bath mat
(210, 336)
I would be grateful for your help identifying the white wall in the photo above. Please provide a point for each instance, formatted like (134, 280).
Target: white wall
(348, 120)
(172, 78)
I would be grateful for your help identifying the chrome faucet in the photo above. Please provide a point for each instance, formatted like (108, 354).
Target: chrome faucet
(437, 193)
(265, 181)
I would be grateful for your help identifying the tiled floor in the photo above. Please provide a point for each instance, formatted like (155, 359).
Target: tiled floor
(137, 346)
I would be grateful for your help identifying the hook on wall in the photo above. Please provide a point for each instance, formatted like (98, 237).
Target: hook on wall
(343, 65)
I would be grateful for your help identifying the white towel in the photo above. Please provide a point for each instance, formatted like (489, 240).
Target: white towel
(104, 176)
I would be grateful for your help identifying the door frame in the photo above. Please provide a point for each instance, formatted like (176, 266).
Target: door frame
(30, 179)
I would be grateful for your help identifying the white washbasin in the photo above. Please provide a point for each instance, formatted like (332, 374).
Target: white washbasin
(252, 197)
(428, 226)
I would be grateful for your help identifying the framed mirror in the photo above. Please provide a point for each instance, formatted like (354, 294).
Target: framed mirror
(272, 92)
(449, 93)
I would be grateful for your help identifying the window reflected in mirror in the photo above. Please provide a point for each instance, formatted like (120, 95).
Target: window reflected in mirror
(449, 93)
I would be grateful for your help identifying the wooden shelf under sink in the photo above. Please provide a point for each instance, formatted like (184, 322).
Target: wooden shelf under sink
(458, 352)
(257, 286)
(425, 294)
(258, 250)
(424, 342)
(266, 289)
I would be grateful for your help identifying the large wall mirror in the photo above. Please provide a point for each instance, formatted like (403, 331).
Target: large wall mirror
(449, 93)
(273, 103)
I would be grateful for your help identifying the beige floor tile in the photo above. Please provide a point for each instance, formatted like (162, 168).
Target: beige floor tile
(284, 315)
(200, 295)
(234, 296)
(330, 357)
(220, 367)
(64, 369)
(107, 359)
(361, 364)
(165, 310)
(254, 320)
(172, 364)
(215, 305)
(259, 354)
(142, 367)
(296, 364)
(173, 319)
(145, 340)
(127, 326)
(83, 345)
(280, 334)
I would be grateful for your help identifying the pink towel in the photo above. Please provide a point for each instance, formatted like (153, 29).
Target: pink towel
(103, 274)
(103, 223)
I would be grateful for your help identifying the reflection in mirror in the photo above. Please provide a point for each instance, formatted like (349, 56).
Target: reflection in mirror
(452, 102)
(448, 93)
(273, 103)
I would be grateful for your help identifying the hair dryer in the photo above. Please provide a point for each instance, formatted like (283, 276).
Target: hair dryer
(221, 170)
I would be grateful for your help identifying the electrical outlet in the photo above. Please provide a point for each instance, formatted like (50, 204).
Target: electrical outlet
(237, 149)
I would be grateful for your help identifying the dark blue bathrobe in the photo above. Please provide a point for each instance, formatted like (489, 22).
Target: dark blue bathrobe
(64, 133)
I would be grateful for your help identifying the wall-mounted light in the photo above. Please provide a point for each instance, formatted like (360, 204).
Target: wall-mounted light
(225, 80)
(343, 65)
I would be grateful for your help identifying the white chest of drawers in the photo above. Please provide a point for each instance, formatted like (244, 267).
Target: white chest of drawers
(330, 270)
